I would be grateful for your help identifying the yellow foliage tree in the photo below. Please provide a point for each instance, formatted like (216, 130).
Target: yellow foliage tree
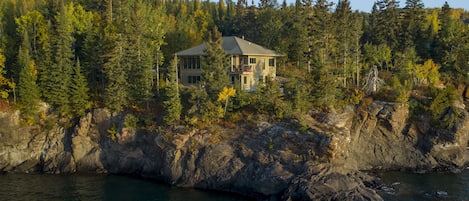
(5, 85)
(225, 96)
(427, 73)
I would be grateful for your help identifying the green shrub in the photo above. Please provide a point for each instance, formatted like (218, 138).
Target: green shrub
(112, 132)
(130, 121)
(401, 91)
(441, 109)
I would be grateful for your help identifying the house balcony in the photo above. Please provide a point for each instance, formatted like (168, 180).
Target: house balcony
(242, 69)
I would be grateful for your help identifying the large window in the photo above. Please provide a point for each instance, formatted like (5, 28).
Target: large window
(245, 80)
(252, 60)
(271, 62)
(193, 79)
(191, 62)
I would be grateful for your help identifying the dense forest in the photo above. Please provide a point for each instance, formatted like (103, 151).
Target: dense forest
(76, 55)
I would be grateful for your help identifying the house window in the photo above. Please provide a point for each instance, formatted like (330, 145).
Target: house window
(245, 80)
(272, 62)
(185, 62)
(193, 79)
(232, 80)
(191, 62)
(252, 60)
(243, 60)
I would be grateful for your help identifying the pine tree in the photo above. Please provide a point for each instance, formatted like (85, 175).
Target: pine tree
(450, 46)
(322, 47)
(344, 28)
(59, 74)
(38, 28)
(79, 99)
(93, 60)
(214, 68)
(412, 24)
(28, 90)
(115, 67)
(115, 95)
(139, 57)
(172, 103)
(384, 23)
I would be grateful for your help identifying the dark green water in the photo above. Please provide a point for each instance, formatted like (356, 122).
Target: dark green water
(98, 187)
(399, 186)
(434, 186)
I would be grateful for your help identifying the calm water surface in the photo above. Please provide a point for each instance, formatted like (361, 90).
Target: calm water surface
(434, 186)
(98, 187)
(399, 186)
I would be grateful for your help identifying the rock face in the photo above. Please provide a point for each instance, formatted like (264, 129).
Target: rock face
(384, 138)
(291, 160)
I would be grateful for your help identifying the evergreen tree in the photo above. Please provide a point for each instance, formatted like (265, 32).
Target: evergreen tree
(214, 68)
(27, 88)
(94, 49)
(139, 56)
(59, 74)
(322, 48)
(412, 25)
(343, 33)
(384, 23)
(116, 66)
(38, 28)
(115, 95)
(79, 99)
(172, 103)
(357, 33)
(450, 46)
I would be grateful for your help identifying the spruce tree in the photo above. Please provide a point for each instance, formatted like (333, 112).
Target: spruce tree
(412, 24)
(79, 99)
(343, 32)
(38, 28)
(138, 55)
(116, 66)
(214, 68)
(60, 72)
(115, 95)
(93, 61)
(172, 102)
(321, 49)
(28, 90)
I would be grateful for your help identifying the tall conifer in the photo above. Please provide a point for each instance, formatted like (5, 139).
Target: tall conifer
(214, 69)
(28, 90)
(172, 103)
(79, 98)
(60, 72)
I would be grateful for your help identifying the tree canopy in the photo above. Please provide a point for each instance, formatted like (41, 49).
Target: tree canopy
(78, 54)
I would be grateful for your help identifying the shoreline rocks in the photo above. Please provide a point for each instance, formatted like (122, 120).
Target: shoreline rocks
(266, 161)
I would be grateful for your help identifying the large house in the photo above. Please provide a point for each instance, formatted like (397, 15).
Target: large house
(249, 63)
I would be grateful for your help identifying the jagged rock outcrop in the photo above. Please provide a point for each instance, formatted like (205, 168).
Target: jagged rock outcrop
(386, 137)
(317, 157)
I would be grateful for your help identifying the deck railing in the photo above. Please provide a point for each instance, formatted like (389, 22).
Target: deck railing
(242, 69)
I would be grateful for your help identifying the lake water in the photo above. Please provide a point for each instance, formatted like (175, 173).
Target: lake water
(399, 186)
(16, 187)
(433, 186)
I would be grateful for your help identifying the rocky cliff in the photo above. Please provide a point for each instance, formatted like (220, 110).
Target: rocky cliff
(309, 159)
(386, 137)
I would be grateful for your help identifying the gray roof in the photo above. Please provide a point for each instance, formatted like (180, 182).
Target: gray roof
(232, 46)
